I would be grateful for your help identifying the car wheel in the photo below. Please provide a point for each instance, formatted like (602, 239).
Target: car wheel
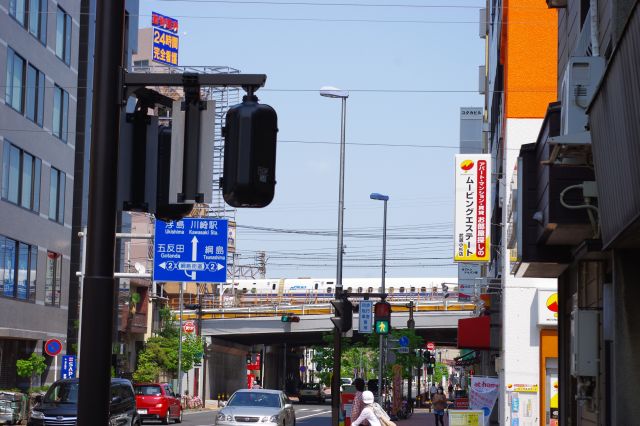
(179, 419)
(167, 418)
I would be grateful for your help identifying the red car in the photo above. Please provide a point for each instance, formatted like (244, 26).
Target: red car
(156, 401)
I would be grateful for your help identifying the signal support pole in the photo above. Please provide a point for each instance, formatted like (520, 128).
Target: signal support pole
(99, 284)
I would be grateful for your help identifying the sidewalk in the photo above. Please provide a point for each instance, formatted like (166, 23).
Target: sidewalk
(422, 417)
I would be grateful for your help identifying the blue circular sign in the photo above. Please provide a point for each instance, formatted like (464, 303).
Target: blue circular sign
(53, 347)
(404, 341)
(303, 368)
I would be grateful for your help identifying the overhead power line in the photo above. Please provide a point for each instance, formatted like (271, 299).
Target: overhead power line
(338, 4)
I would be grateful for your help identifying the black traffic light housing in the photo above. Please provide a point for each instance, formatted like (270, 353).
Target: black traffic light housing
(249, 176)
(382, 315)
(343, 319)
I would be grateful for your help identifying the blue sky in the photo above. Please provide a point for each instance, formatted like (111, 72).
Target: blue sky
(301, 48)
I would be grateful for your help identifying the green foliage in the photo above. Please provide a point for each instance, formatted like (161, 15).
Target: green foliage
(135, 298)
(354, 357)
(439, 372)
(161, 351)
(34, 365)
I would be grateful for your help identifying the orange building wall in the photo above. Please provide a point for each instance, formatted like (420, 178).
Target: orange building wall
(530, 58)
(548, 349)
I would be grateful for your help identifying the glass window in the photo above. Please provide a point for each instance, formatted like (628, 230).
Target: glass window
(34, 95)
(53, 278)
(32, 15)
(60, 112)
(63, 36)
(56, 195)
(15, 81)
(21, 177)
(17, 269)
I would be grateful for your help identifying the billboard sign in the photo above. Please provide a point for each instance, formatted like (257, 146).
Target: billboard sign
(165, 39)
(69, 366)
(547, 308)
(483, 395)
(472, 222)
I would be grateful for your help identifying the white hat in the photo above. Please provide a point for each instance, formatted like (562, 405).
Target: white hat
(367, 397)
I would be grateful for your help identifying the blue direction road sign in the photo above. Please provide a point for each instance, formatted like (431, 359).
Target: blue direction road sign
(365, 317)
(68, 366)
(403, 341)
(193, 250)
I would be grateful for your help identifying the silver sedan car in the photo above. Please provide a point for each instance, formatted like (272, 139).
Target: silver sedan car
(257, 407)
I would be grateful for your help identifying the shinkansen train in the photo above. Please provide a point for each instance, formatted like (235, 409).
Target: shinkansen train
(318, 290)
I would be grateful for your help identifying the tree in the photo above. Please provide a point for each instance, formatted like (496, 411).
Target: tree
(407, 361)
(439, 372)
(161, 351)
(30, 367)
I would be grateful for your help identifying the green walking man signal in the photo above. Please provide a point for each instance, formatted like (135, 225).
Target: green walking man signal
(382, 311)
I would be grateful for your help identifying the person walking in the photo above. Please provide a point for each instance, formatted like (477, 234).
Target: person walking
(358, 403)
(256, 384)
(439, 402)
(371, 412)
(432, 391)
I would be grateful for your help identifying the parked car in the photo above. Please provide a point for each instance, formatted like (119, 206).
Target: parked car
(263, 406)
(312, 392)
(157, 401)
(59, 405)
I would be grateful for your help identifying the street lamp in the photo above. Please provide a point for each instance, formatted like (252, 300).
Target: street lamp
(385, 198)
(333, 92)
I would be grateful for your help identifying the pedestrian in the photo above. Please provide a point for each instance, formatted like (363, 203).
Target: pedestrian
(256, 384)
(439, 402)
(358, 403)
(372, 413)
(432, 391)
(450, 391)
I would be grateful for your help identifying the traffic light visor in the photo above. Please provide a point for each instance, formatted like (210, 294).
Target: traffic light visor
(382, 309)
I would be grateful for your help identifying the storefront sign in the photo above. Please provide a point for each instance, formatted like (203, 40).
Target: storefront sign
(522, 388)
(472, 225)
(547, 308)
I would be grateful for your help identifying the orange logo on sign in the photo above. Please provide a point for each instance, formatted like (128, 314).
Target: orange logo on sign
(466, 165)
(552, 302)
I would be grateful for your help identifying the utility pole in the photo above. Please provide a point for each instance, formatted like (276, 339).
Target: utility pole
(99, 284)
(411, 325)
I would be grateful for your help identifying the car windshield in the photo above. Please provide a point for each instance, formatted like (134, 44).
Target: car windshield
(148, 390)
(62, 392)
(254, 399)
(346, 381)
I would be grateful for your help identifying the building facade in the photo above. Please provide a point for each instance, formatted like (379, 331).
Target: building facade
(39, 64)
(519, 81)
(579, 208)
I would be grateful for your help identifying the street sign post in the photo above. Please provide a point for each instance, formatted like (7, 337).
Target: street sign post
(191, 250)
(53, 347)
(365, 317)
(403, 350)
(189, 327)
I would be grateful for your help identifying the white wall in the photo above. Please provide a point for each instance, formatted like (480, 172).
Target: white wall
(520, 333)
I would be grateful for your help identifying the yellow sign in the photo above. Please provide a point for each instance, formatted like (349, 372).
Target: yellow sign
(466, 418)
(522, 388)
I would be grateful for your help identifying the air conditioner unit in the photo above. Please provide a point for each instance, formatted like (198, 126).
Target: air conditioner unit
(579, 83)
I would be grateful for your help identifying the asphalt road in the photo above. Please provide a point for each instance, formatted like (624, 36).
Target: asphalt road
(306, 415)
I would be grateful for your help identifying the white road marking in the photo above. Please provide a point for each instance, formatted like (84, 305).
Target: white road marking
(312, 415)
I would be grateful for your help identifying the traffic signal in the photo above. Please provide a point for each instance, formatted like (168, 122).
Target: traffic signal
(343, 319)
(382, 313)
(249, 176)
(289, 318)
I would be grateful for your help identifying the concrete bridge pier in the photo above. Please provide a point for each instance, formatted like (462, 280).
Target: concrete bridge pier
(226, 368)
(282, 367)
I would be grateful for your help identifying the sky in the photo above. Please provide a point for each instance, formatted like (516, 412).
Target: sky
(408, 67)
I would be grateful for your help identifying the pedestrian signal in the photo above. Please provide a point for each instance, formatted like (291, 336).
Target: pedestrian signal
(382, 323)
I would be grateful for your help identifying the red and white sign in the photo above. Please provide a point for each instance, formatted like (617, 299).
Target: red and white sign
(472, 224)
(53, 347)
(431, 346)
(189, 327)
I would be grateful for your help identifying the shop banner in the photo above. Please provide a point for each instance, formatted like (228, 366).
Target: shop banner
(472, 221)
(483, 395)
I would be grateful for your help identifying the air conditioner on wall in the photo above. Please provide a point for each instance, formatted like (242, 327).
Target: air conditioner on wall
(579, 83)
